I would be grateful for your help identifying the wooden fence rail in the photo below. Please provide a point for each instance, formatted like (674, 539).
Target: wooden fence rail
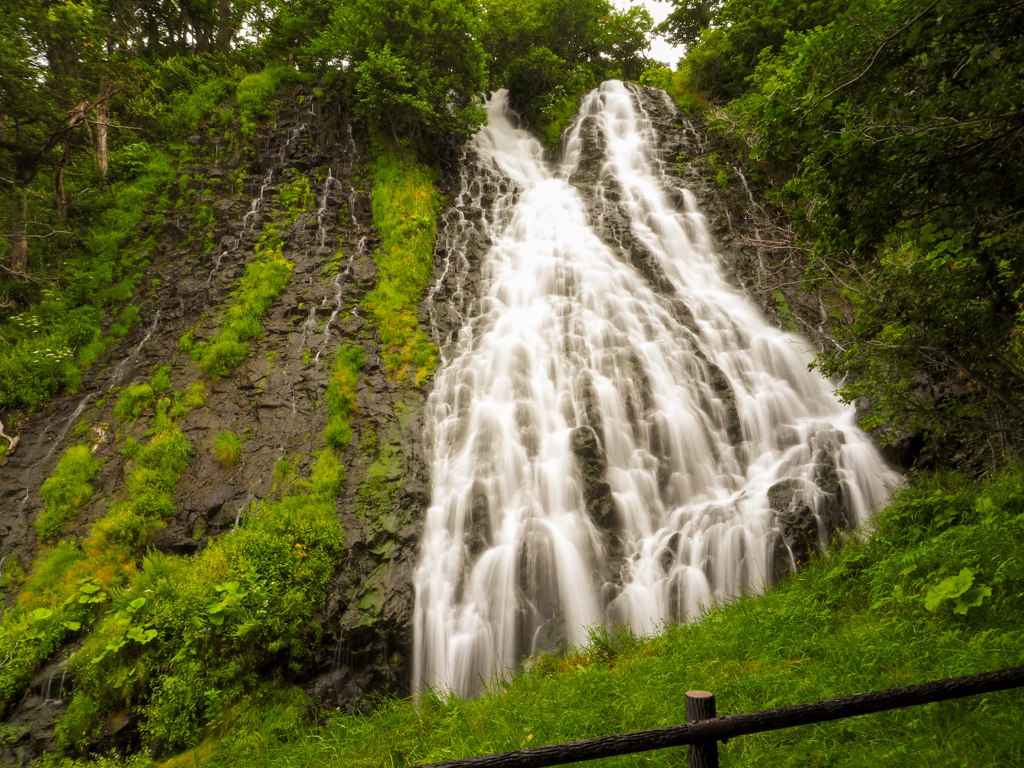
(703, 730)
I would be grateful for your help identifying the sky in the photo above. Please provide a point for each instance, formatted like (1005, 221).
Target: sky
(660, 50)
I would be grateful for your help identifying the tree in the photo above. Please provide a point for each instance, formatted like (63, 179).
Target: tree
(417, 67)
(549, 52)
(903, 124)
(726, 38)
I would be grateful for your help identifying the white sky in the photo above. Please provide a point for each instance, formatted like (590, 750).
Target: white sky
(660, 50)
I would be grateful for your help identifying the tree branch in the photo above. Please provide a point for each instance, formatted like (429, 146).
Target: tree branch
(871, 63)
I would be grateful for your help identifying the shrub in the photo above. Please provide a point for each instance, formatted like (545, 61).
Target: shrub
(182, 644)
(133, 401)
(66, 491)
(227, 448)
(162, 380)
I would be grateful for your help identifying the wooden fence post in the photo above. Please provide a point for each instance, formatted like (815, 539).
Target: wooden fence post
(700, 705)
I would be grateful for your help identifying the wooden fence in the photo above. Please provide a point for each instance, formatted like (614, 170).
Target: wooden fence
(703, 730)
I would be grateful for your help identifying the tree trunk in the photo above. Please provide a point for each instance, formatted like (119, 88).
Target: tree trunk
(225, 30)
(102, 124)
(19, 238)
(58, 182)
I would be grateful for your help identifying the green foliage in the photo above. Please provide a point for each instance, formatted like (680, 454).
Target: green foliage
(68, 584)
(54, 603)
(341, 395)
(678, 84)
(254, 93)
(548, 53)
(183, 641)
(726, 39)
(417, 65)
(405, 205)
(227, 448)
(957, 588)
(130, 523)
(162, 379)
(66, 491)
(131, 447)
(133, 400)
(929, 255)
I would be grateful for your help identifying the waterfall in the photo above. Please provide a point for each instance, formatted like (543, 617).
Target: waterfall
(607, 447)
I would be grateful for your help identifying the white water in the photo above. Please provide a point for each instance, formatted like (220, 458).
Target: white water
(568, 336)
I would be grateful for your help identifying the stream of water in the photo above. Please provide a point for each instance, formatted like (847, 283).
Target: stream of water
(571, 360)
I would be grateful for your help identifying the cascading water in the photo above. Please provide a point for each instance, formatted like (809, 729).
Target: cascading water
(603, 451)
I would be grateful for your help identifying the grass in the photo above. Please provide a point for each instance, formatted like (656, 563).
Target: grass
(341, 395)
(863, 619)
(405, 205)
(227, 447)
(66, 491)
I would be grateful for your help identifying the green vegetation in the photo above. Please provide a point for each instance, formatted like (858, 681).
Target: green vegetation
(227, 448)
(66, 491)
(184, 641)
(133, 401)
(255, 92)
(548, 53)
(341, 395)
(68, 583)
(162, 379)
(405, 205)
(416, 66)
(887, 129)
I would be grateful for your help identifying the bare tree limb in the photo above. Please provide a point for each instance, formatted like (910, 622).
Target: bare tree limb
(12, 439)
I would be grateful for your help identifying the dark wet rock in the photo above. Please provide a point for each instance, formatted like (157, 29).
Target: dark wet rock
(725, 395)
(597, 494)
(30, 728)
(587, 395)
(796, 521)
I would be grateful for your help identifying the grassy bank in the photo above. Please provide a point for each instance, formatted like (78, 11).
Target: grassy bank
(936, 591)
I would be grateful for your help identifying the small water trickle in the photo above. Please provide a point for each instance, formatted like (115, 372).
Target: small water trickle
(132, 356)
(689, 409)
(256, 207)
(353, 206)
(68, 424)
(337, 285)
(322, 210)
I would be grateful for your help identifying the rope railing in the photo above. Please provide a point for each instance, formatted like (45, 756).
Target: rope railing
(703, 730)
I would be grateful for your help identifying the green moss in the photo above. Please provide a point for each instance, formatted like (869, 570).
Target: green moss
(66, 491)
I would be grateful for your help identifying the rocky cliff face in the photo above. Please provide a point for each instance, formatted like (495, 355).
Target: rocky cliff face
(274, 399)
